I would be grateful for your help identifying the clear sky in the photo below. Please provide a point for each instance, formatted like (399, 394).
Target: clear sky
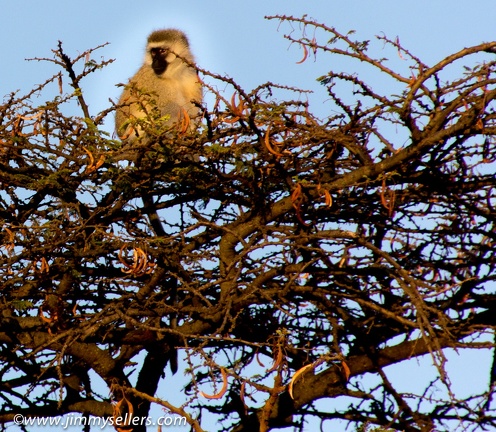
(229, 37)
(233, 38)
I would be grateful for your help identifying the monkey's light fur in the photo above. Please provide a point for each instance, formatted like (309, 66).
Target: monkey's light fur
(166, 81)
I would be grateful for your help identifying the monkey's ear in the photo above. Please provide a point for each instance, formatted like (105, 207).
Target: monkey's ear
(170, 57)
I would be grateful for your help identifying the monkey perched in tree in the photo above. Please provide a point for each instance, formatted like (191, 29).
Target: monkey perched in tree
(169, 82)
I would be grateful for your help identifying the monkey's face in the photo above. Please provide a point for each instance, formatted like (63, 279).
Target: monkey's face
(161, 58)
(166, 51)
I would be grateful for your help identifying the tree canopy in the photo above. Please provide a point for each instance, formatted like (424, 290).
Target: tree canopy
(281, 270)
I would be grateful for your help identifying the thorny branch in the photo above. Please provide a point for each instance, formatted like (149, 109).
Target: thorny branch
(289, 260)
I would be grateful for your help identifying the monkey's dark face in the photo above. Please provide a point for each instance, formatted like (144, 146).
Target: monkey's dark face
(159, 60)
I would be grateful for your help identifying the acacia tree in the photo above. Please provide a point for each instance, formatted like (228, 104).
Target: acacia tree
(287, 260)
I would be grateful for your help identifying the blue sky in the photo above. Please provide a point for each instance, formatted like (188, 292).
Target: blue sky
(227, 36)
(233, 38)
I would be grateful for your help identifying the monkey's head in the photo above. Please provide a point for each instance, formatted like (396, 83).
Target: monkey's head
(163, 49)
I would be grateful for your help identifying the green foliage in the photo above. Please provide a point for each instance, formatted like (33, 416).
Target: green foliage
(367, 427)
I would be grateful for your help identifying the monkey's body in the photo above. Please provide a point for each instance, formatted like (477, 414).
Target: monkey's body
(173, 85)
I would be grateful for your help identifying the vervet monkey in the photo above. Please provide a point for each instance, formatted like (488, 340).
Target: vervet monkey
(172, 83)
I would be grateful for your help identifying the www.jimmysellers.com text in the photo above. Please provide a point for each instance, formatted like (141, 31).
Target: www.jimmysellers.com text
(72, 420)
